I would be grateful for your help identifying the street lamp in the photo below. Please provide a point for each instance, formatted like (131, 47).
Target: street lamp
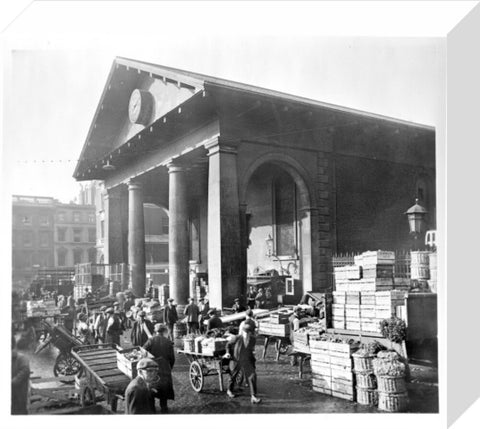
(416, 219)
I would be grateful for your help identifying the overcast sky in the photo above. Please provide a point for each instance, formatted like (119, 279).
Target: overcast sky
(58, 61)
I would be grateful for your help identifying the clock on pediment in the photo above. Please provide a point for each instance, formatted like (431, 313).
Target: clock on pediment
(140, 107)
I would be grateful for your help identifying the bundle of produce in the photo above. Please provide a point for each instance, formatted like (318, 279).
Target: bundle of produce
(394, 329)
(127, 359)
(387, 363)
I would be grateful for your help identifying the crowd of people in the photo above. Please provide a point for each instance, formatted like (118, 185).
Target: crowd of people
(108, 324)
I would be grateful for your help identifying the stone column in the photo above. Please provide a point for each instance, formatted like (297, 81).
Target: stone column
(112, 245)
(225, 267)
(136, 238)
(178, 235)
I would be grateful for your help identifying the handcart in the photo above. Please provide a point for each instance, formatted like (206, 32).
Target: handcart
(203, 365)
(101, 373)
(64, 341)
(282, 344)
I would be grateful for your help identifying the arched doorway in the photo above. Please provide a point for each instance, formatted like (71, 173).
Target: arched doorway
(278, 218)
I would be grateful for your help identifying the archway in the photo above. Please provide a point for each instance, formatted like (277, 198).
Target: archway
(277, 203)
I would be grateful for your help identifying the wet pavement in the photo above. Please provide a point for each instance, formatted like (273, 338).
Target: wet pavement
(279, 387)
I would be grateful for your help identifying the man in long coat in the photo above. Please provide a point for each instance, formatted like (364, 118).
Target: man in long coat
(142, 330)
(192, 313)
(240, 349)
(139, 395)
(170, 317)
(162, 350)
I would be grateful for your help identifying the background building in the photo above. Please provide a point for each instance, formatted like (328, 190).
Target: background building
(47, 234)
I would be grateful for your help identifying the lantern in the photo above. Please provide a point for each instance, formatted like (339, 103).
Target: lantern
(416, 218)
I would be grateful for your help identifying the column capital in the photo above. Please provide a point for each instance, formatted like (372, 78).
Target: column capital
(175, 167)
(222, 145)
(134, 185)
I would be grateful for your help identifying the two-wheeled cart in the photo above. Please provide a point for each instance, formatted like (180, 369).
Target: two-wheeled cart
(64, 341)
(101, 373)
(206, 365)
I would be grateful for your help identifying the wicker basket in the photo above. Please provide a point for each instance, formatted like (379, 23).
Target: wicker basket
(390, 384)
(363, 363)
(366, 380)
(392, 402)
(367, 396)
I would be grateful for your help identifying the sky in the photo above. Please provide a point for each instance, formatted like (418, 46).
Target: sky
(57, 68)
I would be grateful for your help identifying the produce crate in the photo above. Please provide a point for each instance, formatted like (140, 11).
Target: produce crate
(338, 324)
(353, 325)
(384, 312)
(267, 328)
(189, 344)
(342, 374)
(353, 298)
(319, 346)
(367, 311)
(323, 390)
(367, 298)
(339, 298)
(300, 347)
(127, 366)
(279, 318)
(377, 271)
(390, 384)
(352, 311)
(392, 402)
(320, 356)
(378, 257)
(367, 396)
(348, 272)
(212, 346)
(345, 348)
(321, 368)
(347, 396)
(341, 386)
(370, 325)
(323, 381)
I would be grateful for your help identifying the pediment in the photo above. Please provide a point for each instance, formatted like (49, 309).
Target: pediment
(112, 125)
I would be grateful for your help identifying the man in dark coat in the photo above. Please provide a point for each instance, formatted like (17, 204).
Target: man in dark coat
(142, 330)
(240, 349)
(114, 327)
(192, 313)
(251, 294)
(139, 395)
(214, 322)
(162, 350)
(237, 307)
(170, 317)
(20, 381)
(203, 307)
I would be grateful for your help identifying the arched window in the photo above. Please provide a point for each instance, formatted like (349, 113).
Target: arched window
(284, 215)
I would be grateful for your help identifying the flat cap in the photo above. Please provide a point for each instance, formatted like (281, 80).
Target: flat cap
(103, 308)
(109, 310)
(145, 363)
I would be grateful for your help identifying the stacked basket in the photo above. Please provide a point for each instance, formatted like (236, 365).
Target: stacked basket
(365, 378)
(390, 373)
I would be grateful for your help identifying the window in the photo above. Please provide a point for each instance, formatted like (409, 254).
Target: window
(77, 235)
(26, 220)
(77, 216)
(44, 239)
(77, 256)
(165, 225)
(92, 235)
(62, 257)
(28, 238)
(44, 220)
(91, 218)
(92, 255)
(284, 216)
(62, 234)
(61, 217)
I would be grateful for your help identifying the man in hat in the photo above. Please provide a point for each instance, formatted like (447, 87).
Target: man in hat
(114, 327)
(241, 349)
(142, 330)
(162, 350)
(170, 317)
(248, 321)
(251, 294)
(237, 307)
(139, 395)
(192, 313)
(203, 308)
(214, 322)
(100, 325)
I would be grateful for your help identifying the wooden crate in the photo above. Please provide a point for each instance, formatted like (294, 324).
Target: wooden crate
(347, 396)
(339, 385)
(341, 374)
(268, 328)
(353, 325)
(384, 312)
(323, 390)
(338, 324)
(323, 381)
(378, 271)
(339, 297)
(279, 318)
(321, 368)
(316, 344)
(352, 298)
(127, 366)
(319, 356)
(367, 298)
(345, 348)
(367, 311)
(340, 360)
(352, 311)
(378, 257)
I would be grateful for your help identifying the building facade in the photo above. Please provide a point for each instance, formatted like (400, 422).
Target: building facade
(253, 180)
(47, 234)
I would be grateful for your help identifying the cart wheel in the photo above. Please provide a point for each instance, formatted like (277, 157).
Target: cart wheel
(66, 364)
(87, 396)
(196, 376)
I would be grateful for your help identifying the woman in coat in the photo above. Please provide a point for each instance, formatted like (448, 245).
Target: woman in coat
(162, 350)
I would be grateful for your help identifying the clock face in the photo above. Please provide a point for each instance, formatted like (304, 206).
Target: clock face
(140, 107)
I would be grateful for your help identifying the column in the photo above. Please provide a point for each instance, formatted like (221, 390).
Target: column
(136, 238)
(225, 268)
(178, 234)
(113, 237)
